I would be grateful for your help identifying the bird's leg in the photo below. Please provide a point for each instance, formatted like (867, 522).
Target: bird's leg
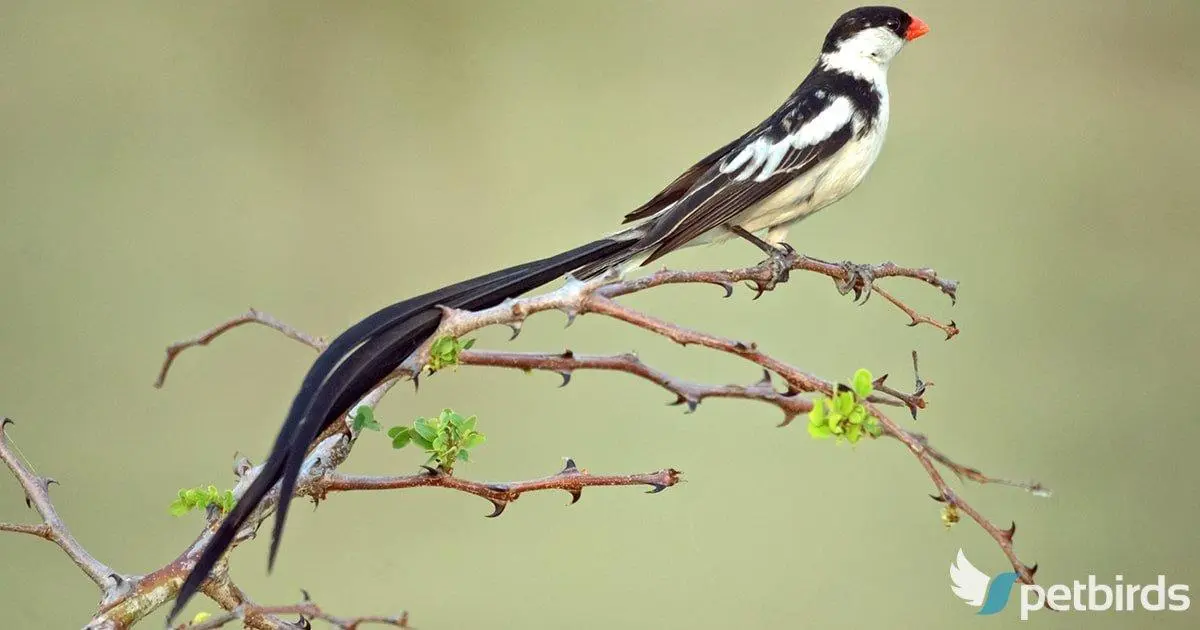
(780, 256)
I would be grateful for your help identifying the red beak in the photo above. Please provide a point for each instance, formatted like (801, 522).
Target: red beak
(916, 29)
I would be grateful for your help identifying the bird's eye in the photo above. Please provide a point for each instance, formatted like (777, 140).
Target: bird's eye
(892, 23)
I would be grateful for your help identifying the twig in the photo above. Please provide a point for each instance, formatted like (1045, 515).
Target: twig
(52, 528)
(571, 480)
(253, 316)
(307, 611)
(687, 393)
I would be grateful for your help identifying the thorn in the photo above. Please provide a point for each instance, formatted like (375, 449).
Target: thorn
(416, 381)
(116, 579)
(568, 354)
(499, 508)
(576, 494)
(566, 377)
(788, 416)
(569, 468)
(953, 330)
(728, 286)
(656, 488)
(1032, 570)
(516, 329)
(431, 471)
(937, 498)
(307, 597)
(571, 314)
(758, 287)
(1010, 532)
(741, 347)
(879, 381)
(842, 387)
(5, 421)
(765, 381)
(914, 322)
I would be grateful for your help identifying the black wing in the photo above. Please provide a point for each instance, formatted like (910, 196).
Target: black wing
(809, 128)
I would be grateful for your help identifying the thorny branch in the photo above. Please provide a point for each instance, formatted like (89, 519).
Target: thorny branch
(129, 598)
(52, 528)
(571, 479)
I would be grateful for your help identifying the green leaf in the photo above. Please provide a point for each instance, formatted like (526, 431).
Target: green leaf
(442, 346)
(845, 403)
(456, 420)
(400, 440)
(179, 508)
(863, 383)
(468, 344)
(397, 430)
(463, 456)
(420, 440)
(425, 429)
(820, 431)
(364, 418)
(858, 415)
(469, 424)
(817, 415)
(854, 433)
(472, 439)
(440, 443)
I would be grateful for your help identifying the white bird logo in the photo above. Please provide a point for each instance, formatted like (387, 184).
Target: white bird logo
(967, 582)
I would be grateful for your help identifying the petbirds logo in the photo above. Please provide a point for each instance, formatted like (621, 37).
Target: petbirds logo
(975, 588)
(991, 594)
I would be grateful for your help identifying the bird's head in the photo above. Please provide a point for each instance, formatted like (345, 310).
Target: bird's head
(869, 35)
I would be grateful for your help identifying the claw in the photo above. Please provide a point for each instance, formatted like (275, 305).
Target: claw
(859, 279)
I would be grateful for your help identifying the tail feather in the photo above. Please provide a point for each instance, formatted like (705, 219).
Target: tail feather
(354, 363)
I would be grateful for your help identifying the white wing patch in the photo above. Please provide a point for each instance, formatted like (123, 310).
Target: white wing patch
(767, 155)
(967, 582)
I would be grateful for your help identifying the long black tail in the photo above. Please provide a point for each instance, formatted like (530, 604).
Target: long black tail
(358, 360)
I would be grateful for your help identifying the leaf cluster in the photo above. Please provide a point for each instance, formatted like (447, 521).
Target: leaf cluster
(199, 498)
(447, 438)
(444, 351)
(843, 416)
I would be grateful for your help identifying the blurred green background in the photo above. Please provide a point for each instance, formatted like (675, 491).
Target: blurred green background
(165, 165)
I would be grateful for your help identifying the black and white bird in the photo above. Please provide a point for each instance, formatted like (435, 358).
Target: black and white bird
(812, 151)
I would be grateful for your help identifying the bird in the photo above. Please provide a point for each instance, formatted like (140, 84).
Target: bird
(812, 151)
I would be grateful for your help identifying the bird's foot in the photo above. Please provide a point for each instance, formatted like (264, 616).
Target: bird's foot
(780, 262)
(858, 279)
